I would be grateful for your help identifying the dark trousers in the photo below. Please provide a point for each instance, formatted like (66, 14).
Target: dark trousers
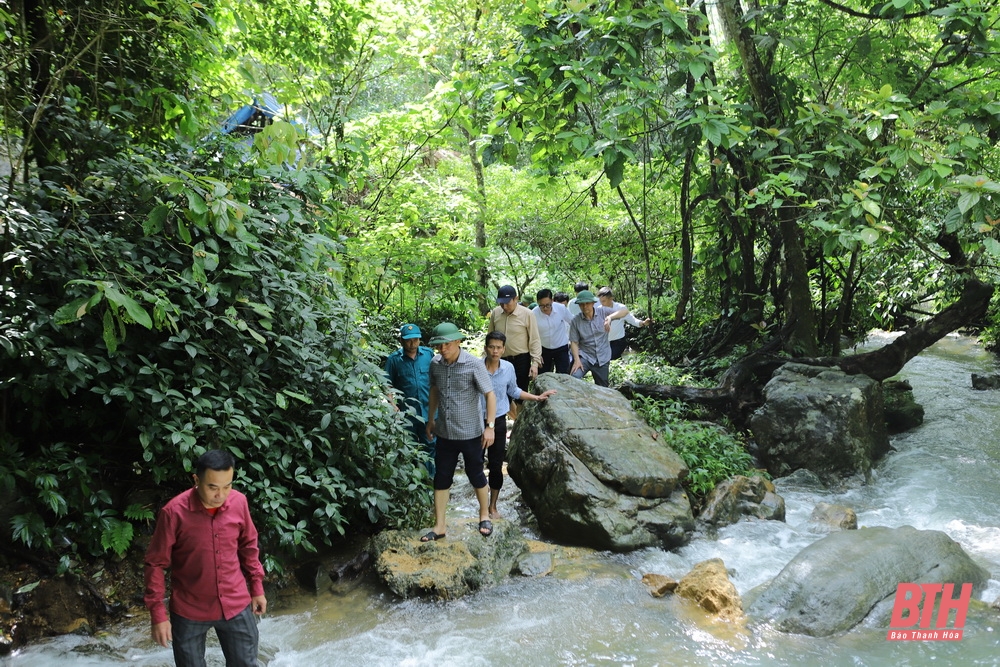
(600, 373)
(496, 453)
(557, 358)
(238, 637)
(618, 347)
(522, 367)
(446, 460)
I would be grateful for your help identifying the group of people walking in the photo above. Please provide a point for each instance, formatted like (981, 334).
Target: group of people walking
(459, 404)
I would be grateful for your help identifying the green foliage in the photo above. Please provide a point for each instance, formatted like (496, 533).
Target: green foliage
(160, 298)
(169, 303)
(709, 451)
(118, 64)
(862, 157)
(646, 368)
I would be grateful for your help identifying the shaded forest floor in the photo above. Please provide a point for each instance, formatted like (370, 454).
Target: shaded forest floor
(37, 602)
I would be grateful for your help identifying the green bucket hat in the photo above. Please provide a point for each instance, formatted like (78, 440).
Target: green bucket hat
(445, 333)
(586, 296)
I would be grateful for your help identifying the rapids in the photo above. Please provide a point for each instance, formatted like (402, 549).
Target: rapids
(594, 611)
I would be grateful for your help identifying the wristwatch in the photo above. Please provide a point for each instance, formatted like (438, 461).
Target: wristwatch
(489, 424)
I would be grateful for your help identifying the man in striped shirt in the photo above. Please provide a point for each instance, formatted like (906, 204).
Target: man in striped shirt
(458, 379)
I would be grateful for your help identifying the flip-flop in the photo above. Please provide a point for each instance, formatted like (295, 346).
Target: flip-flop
(431, 536)
(486, 528)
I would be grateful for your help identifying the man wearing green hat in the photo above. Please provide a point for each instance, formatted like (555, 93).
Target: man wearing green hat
(458, 379)
(409, 371)
(588, 338)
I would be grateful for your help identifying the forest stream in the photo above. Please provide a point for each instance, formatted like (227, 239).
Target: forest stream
(595, 611)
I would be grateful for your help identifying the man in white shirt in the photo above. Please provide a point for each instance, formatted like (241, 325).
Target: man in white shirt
(574, 309)
(553, 329)
(616, 337)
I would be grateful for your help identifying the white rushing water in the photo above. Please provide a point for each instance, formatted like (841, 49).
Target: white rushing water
(595, 611)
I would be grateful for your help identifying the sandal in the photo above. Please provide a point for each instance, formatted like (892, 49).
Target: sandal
(486, 528)
(431, 536)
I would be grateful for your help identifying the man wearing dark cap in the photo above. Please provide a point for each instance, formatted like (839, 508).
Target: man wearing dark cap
(458, 380)
(588, 338)
(524, 344)
(408, 369)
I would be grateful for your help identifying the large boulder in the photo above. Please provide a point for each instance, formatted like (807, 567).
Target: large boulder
(986, 381)
(449, 568)
(594, 473)
(833, 584)
(820, 419)
(834, 517)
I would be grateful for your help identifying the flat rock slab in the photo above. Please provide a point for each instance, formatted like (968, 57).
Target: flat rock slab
(463, 562)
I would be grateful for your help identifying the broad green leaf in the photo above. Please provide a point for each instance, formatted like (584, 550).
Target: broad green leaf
(196, 202)
(967, 200)
(868, 235)
(155, 219)
(72, 311)
(871, 206)
(108, 332)
(992, 246)
(135, 311)
(297, 396)
(615, 170)
(953, 219)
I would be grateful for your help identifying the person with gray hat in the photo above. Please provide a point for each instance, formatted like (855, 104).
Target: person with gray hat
(458, 379)
(588, 338)
(409, 371)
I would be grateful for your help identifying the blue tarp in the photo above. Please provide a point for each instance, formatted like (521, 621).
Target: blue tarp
(251, 118)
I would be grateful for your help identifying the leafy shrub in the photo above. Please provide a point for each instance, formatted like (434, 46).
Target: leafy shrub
(711, 453)
(647, 368)
(167, 304)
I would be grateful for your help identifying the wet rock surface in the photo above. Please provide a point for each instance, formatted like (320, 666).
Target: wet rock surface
(594, 473)
(823, 420)
(709, 587)
(741, 496)
(463, 562)
(835, 583)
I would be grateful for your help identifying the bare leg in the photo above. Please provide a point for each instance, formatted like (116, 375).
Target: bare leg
(494, 496)
(441, 498)
(482, 495)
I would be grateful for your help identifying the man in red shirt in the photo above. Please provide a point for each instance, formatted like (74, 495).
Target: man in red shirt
(205, 537)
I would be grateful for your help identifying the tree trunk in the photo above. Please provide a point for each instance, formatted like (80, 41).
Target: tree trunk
(687, 250)
(482, 272)
(888, 360)
(802, 333)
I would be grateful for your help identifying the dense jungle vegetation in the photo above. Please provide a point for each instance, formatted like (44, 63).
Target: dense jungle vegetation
(790, 171)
